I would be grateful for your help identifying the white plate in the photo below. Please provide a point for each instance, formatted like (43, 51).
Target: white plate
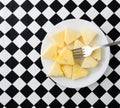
(95, 73)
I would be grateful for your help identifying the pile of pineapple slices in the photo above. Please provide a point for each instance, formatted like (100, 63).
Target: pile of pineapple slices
(60, 52)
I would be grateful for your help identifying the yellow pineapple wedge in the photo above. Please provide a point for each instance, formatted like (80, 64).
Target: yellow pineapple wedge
(56, 70)
(96, 54)
(58, 38)
(65, 57)
(87, 36)
(71, 35)
(89, 62)
(78, 72)
(67, 70)
(50, 52)
(78, 44)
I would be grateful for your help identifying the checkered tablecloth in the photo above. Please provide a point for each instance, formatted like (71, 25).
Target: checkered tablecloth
(23, 26)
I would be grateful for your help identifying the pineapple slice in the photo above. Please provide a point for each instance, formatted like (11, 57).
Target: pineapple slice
(67, 70)
(51, 52)
(65, 57)
(96, 54)
(78, 72)
(78, 44)
(56, 70)
(87, 36)
(71, 35)
(89, 62)
(58, 38)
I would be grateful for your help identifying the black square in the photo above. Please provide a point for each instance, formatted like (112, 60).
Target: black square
(26, 76)
(41, 77)
(12, 34)
(70, 5)
(70, 16)
(84, 91)
(41, 103)
(99, 91)
(99, 20)
(99, 6)
(26, 34)
(12, 91)
(1, 34)
(39, 63)
(1, 91)
(113, 34)
(26, 91)
(1, 19)
(12, 20)
(41, 6)
(41, 91)
(26, 104)
(41, 34)
(99, 104)
(1, 105)
(12, 62)
(1, 48)
(70, 104)
(55, 19)
(113, 77)
(26, 48)
(70, 92)
(1, 77)
(113, 91)
(55, 104)
(12, 6)
(113, 104)
(55, 91)
(11, 48)
(114, 62)
(1, 5)
(114, 5)
(101, 79)
(85, 6)
(1, 63)
(38, 48)
(41, 20)
(26, 20)
(26, 62)
(56, 5)
(11, 104)
(114, 20)
(85, 17)
(114, 49)
(27, 5)
(12, 77)
(84, 104)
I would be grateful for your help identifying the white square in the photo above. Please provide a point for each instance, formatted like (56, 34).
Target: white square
(63, 2)
(106, 84)
(106, 27)
(34, 41)
(19, 27)
(48, 13)
(117, 70)
(91, 98)
(49, 1)
(117, 98)
(34, 12)
(5, 41)
(77, 98)
(19, 12)
(19, 69)
(4, 55)
(106, 98)
(34, 70)
(92, 13)
(63, 13)
(4, 84)
(33, 98)
(34, 27)
(92, 2)
(19, 83)
(78, 2)
(118, 26)
(4, 98)
(4, 70)
(34, 2)
(107, 2)
(34, 55)
(19, 41)
(106, 13)
(19, 98)
(118, 13)
(118, 55)
(93, 86)
(108, 71)
(34, 84)
(19, 55)
(5, 2)
(117, 84)
(48, 98)
(5, 12)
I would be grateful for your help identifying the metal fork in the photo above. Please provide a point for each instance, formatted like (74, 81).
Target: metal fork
(87, 50)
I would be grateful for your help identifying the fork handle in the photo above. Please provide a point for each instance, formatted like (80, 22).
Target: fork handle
(107, 45)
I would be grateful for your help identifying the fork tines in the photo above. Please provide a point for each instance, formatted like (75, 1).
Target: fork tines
(78, 53)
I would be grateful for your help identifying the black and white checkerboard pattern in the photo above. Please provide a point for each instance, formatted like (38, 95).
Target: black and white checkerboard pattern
(23, 26)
